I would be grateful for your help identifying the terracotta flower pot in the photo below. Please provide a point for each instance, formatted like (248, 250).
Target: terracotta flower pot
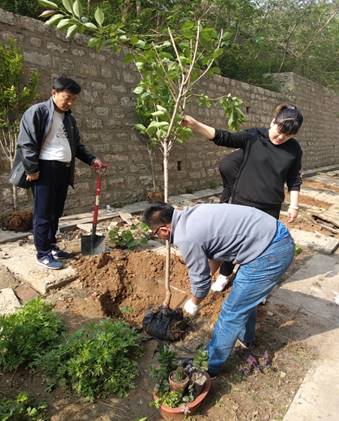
(179, 413)
(177, 386)
(155, 196)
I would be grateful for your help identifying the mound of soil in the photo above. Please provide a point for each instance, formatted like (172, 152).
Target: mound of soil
(18, 221)
(126, 285)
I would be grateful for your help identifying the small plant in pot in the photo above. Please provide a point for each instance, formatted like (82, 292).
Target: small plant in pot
(178, 380)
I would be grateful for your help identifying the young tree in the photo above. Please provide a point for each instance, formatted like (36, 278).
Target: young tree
(17, 90)
(171, 65)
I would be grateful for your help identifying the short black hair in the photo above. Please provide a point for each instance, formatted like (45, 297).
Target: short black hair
(63, 83)
(158, 213)
(288, 118)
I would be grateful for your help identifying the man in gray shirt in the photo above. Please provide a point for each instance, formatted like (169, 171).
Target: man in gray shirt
(209, 234)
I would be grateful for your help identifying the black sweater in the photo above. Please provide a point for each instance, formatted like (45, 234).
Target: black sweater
(265, 168)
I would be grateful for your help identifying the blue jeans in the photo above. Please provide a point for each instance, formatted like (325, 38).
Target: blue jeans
(253, 282)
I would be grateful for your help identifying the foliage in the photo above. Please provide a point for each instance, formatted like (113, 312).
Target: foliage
(17, 86)
(17, 90)
(95, 361)
(129, 236)
(200, 360)
(22, 7)
(172, 399)
(22, 408)
(167, 364)
(179, 374)
(26, 334)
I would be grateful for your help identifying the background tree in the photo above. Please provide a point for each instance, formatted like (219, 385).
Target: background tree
(17, 91)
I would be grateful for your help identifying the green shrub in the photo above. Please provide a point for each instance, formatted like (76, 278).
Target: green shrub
(22, 408)
(95, 361)
(28, 333)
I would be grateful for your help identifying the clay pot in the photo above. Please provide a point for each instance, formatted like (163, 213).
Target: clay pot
(177, 386)
(176, 414)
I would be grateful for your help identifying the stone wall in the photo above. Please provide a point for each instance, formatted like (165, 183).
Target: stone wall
(105, 115)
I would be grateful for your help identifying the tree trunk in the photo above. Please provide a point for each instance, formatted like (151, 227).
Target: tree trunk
(168, 244)
(14, 197)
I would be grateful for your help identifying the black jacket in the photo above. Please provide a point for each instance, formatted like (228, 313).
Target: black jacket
(34, 127)
(265, 168)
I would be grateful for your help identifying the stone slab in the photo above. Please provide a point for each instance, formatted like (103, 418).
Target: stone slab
(21, 262)
(311, 292)
(315, 241)
(317, 398)
(7, 279)
(8, 301)
(8, 236)
(25, 293)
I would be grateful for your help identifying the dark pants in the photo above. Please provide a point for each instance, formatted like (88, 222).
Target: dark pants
(49, 195)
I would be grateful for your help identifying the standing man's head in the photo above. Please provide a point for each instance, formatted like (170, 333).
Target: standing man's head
(286, 122)
(158, 216)
(64, 93)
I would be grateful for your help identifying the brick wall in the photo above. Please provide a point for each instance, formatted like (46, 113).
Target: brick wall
(105, 115)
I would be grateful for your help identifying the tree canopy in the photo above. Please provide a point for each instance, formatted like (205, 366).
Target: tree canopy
(264, 36)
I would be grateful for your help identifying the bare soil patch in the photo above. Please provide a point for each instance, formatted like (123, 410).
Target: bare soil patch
(320, 186)
(18, 221)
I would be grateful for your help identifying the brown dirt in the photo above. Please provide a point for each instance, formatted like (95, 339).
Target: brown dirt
(124, 284)
(320, 186)
(18, 221)
(309, 201)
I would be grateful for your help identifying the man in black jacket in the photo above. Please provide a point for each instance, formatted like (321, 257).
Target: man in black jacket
(47, 146)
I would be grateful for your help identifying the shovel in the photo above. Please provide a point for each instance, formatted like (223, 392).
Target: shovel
(94, 244)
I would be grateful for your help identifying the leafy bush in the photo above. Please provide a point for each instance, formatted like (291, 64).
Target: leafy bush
(22, 408)
(28, 333)
(95, 361)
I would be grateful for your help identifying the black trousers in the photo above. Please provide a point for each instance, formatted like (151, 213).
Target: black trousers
(49, 195)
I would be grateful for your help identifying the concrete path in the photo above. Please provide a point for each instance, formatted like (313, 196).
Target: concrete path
(21, 262)
(311, 292)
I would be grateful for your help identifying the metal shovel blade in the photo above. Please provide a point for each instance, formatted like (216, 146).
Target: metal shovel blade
(92, 244)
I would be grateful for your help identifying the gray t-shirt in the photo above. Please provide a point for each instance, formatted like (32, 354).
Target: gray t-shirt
(219, 232)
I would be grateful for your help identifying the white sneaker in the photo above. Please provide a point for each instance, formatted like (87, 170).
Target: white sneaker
(220, 283)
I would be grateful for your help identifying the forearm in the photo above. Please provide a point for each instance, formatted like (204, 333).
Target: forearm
(204, 130)
(294, 199)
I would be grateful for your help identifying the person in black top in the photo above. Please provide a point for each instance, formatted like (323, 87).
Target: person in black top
(255, 174)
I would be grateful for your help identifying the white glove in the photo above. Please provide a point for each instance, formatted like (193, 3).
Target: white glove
(190, 307)
(220, 283)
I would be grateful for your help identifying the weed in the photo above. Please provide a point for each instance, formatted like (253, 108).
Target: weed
(129, 236)
(22, 408)
(200, 360)
(97, 360)
(28, 333)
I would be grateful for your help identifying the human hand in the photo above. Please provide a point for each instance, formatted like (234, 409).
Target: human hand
(190, 307)
(292, 214)
(189, 122)
(97, 164)
(33, 177)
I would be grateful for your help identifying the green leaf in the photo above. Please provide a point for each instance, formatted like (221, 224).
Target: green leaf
(90, 25)
(62, 23)
(47, 13)
(48, 3)
(140, 127)
(77, 9)
(157, 113)
(99, 16)
(54, 19)
(71, 31)
(93, 42)
(138, 90)
(67, 5)
(161, 108)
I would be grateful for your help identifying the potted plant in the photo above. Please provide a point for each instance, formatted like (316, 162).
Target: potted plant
(178, 380)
